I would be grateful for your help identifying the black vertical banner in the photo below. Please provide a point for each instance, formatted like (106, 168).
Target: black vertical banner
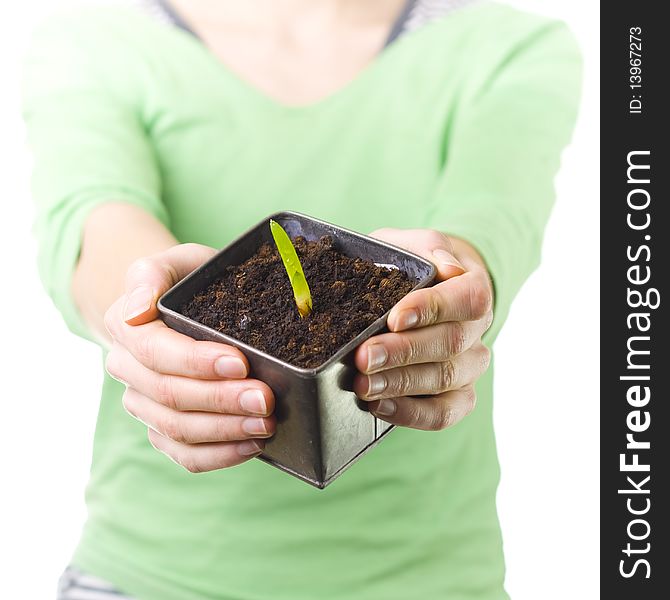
(635, 262)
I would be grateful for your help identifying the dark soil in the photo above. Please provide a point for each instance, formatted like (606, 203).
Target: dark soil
(253, 302)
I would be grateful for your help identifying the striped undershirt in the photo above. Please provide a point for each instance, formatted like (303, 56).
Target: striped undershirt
(414, 15)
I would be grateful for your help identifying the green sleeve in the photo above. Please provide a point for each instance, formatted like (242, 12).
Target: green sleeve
(504, 150)
(89, 147)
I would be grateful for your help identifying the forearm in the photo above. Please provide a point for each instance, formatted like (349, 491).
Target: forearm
(114, 236)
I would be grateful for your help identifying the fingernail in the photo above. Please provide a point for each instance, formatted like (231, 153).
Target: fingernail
(377, 356)
(446, 258)
(138, 302)
(254, 426)
(253, 401)
(249, 448)
(229, 366)
(407, 319)
(376, 384)
(385, 408)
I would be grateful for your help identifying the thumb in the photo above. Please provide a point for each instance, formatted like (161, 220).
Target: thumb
(149, 278)
(443, 258)
(429, 244)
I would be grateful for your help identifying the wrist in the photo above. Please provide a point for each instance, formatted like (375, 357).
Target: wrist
(467, 254)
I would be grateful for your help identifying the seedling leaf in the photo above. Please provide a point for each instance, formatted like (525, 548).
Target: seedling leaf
(301, 293)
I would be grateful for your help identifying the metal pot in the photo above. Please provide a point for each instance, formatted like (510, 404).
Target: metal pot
(322, 428)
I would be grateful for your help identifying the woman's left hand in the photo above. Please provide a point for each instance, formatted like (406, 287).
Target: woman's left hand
(422, 374)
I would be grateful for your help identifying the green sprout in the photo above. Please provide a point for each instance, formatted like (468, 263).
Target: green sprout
(303, 298)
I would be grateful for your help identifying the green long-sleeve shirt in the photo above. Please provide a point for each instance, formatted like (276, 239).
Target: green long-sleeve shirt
(458, 127)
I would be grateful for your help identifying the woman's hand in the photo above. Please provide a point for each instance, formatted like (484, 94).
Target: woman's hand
(200, 408)
(422, 374)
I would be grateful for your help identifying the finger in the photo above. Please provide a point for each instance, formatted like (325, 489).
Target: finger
(148, 278)
(428, 243)
(465, 298)
(164, 350)
(430, 414)
(231, 397)
(429, 378)
(424, 345)
(199, 458)
(195, 427)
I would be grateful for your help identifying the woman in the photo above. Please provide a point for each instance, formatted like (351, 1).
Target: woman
(437, 124)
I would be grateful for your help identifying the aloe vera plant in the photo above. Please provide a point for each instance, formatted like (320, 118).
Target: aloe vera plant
(301, 293)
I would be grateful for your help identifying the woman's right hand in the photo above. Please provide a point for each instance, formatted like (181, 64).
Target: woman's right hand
(200, 408)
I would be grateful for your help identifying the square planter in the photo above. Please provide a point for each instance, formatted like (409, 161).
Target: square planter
(322, 428)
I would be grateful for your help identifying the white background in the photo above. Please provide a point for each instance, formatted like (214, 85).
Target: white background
(546, 389)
